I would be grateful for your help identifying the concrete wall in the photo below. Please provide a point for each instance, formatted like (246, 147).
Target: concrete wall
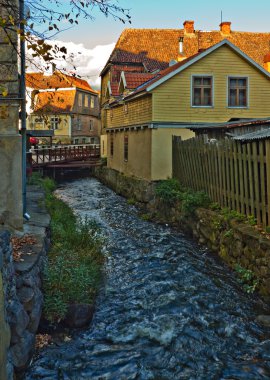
(10, 140)
(138, 163)
(161, 159)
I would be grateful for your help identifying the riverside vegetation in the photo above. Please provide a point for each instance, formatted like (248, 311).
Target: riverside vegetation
(73, 272)
(187, 201)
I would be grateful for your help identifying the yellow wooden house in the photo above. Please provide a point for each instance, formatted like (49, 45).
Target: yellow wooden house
(212, 86)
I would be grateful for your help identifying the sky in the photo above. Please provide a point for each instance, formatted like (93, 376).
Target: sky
(93, 41)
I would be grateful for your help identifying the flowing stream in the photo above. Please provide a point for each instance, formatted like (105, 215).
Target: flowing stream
(168, 308)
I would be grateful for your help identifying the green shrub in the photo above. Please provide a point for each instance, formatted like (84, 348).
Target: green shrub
(232, 214)
(145, 216)
(168, 190)
(190, 201)
(247, 278)
(252, 220)
(131, 201)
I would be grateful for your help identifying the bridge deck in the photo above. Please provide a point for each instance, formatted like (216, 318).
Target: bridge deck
(64, 156)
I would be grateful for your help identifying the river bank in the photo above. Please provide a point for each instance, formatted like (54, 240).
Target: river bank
(241, 246)
(167, 309)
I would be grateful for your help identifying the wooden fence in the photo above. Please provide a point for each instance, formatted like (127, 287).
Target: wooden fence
(234, 174)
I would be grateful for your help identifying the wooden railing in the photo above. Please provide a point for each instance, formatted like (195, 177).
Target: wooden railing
(234, 174)
(62, 153)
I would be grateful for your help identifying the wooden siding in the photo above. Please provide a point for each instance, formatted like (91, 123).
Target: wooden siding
(172, 99)
(139, 111)
(235, 175)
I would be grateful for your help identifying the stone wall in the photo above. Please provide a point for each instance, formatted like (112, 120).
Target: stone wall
(130, 187)
(5, 250)
(235, 242)
(21, 299)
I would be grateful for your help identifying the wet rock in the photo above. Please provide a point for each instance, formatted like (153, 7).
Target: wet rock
(36, 311)
(79, 315)
(18, 320)
(25, 294)
(264, 320)
(21, 352)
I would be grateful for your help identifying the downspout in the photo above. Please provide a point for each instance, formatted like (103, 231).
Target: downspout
(23, 105)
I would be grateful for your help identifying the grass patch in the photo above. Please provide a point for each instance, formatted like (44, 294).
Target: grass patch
(73, 271)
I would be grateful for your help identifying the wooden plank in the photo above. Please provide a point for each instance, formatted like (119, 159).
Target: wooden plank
(241, 178)
(251, 179)
(236, 176)
(262, 182)
(267, 148)
(223, 175)
(246, 182)
(256, 182)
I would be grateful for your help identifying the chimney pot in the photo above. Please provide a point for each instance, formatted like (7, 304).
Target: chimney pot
(225, 27)
(267, 62)
(189, 26)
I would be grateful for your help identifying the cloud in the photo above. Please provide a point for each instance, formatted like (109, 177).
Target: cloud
(88, 62)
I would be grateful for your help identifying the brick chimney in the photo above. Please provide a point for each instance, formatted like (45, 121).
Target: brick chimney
(189, 27)
(266, 61)
(225, 27)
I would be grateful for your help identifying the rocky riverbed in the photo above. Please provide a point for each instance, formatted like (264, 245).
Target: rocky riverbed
(168, 308)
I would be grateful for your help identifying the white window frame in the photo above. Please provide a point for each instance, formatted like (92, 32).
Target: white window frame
(191, 90)
(238, 77)
(54, 123)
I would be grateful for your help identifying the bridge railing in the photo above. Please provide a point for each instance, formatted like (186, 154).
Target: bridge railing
(63, 153)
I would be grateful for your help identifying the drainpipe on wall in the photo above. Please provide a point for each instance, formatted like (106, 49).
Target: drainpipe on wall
(23, 105)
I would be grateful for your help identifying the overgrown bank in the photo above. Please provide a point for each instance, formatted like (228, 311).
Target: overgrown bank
(237, 240)
(73, 271)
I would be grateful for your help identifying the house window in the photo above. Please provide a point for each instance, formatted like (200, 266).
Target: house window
(92, 104)
(237, 92)
(80, 97)
(79, 124)
(202, 91)
(111, 146)
(91, 125)
(86, 101)
(126, 148)
(76, 141)
(54, 123)
(83, 140)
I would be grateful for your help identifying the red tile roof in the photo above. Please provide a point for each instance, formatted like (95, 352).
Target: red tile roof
(133, 80)
(155, 48)
(170, 69)
(39, 81)
(55, 101)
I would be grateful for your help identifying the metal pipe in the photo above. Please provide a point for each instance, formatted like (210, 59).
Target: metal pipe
(23, 102)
